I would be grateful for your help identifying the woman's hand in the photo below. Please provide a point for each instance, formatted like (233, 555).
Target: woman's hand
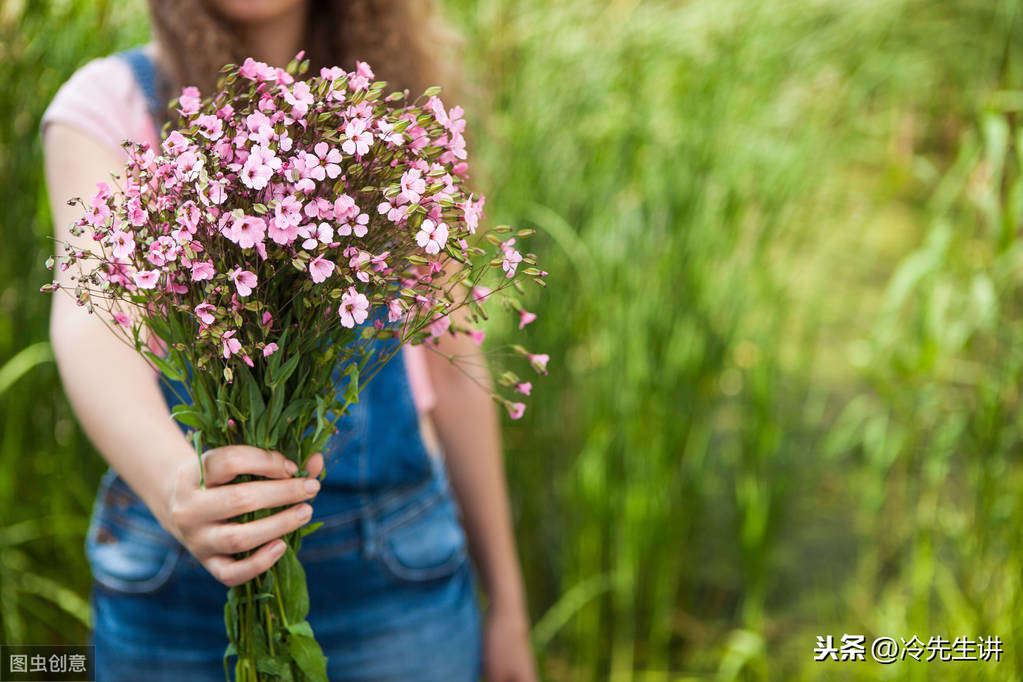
(507, 652)
(198, 517)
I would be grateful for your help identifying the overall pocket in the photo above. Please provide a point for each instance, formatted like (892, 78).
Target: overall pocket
(127, 549)
(427, 545)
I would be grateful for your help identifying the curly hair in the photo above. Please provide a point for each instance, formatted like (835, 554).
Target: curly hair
(403, 40)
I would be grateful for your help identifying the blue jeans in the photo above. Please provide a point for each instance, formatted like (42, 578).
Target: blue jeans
(391, 588)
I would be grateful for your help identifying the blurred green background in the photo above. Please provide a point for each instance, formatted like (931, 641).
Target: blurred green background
(785, 320)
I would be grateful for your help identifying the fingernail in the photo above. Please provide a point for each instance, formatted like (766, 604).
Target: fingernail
(312, 485)
(290, 467)
(305, 512)
(278, 548)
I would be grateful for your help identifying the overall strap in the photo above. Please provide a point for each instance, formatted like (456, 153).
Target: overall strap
(146, 78)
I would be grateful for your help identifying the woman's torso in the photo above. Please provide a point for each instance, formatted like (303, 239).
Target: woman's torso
(393, 589)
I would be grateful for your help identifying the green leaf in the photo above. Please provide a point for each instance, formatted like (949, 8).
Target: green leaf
(294, 593)
(228, 653)
(165, 366)
(273, 413)
(187, 416)
(301, 629)
(351, 394)
(272, 665)
(311, 528)
(278, 378)
(307, 652)
(255, 395)
(231, 621)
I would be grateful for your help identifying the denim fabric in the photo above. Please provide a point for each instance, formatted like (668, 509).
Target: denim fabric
(392, 592)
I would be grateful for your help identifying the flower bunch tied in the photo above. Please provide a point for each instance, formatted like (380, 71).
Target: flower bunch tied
(285, 240)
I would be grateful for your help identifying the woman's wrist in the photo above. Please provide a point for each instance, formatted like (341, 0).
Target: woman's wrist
(157, 488)
(507, 597)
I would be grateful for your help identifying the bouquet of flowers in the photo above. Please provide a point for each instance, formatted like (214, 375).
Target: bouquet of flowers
(285, 241)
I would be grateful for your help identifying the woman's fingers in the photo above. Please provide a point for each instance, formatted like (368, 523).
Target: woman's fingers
(222, 465)
(314, 465)
(233, 572)
(227, 501)
(231, 538)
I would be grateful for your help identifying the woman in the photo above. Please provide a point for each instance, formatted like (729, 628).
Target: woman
(392, 591)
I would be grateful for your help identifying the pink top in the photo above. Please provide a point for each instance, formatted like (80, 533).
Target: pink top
(102, 100)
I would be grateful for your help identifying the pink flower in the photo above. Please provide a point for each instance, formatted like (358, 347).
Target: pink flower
(345, 207)
(515, 410)
(360, 78)
(122, 319)
(331, 158)
(320, 269)
(440, 325)
(254, 70)
(217, 193)
(270, 349)
(481, 293)
(283, 233)
(188, 166)
(231, 345)
(539, 362)
(287, 217)
(146, 279)
(524, 387)
(202, 270)
(388, 134)
(260, 128)
(299, 97)
(359, 228)
(243, 280)
(473, 213)
(477, 336)
(247, 231)
(362, 69)
(318, 208)
(432, 236)
(99, 213)
(358, 263)
(259, 167)
(211, 127)
(316, 234)
(354, 308)
(204, 311)
(162, 251)
(525, 317)
(137, 213)
(123, 242)
(175, 143)
(359, 139)
(188, 216)
(102, 193)
(331, 74)
(412, 185)
(394, 310)
(511, 258)
(436, 107)
(189, 100)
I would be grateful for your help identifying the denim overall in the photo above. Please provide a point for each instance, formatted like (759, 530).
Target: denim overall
(392, 591)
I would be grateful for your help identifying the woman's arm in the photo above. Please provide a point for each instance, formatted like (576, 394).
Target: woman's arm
(466, 422)
(116, 398)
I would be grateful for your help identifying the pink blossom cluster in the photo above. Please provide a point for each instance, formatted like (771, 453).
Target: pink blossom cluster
(316, 205)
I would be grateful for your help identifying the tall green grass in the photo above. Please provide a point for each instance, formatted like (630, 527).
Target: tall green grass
(783, 319)
(48, 471)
